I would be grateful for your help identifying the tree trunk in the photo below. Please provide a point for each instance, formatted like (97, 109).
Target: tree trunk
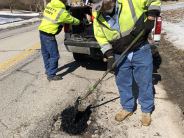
(36, 8)
(30, 8)
(11, 8)
(45, 3)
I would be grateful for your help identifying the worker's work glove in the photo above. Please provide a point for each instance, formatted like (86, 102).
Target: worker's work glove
(121, 44)
(81, 23)
(110, 59)
(148, 26)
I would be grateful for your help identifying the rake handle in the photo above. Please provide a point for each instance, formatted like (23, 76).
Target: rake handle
(113, 66)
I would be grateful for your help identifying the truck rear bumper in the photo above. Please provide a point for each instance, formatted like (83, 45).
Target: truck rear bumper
(86, 47)
(76, 49)
(80, 47)
(90, 44)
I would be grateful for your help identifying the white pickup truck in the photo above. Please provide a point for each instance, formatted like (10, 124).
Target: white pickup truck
(81, 42)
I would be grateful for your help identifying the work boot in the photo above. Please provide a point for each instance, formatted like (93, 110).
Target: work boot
(54, 78)
(146, 119)
(122, 115)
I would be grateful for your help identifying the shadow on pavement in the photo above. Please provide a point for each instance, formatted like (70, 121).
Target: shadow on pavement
(71, 67)
(92, 64)
(89, 65)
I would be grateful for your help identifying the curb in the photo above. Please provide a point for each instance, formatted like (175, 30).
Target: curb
(19, 24)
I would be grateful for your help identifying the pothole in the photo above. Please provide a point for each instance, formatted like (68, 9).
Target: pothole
(74, 124)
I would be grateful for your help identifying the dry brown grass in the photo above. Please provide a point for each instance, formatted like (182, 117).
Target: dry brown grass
(171, 2)
(173, 16)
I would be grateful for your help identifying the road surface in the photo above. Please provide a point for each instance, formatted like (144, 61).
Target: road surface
(29, 101)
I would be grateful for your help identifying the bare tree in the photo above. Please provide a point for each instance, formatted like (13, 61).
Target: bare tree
(1, 4)
(35, 2)
(9, 3)
(40, 5)
(30, 3)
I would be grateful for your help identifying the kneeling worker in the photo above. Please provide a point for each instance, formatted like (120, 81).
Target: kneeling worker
(55, 14)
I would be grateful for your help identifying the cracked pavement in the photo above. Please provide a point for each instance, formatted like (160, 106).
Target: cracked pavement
(29, 101)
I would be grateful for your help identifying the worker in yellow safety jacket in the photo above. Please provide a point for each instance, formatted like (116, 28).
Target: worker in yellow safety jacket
(55, 15)
(116, 24)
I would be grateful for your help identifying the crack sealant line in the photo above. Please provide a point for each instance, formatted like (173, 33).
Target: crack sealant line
(3, 124)
(18, 55)
(1, 79)
(2, 70)
(81, 77)
(26, 72)
(109, 78)
(18, 97)
(25, 88)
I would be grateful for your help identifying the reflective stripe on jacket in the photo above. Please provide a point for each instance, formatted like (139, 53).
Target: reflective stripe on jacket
(55, 14)
(131, 16)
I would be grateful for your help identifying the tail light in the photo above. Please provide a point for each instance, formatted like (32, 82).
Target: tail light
(92, 17)
(158, 25)
(92, 14)
(66, 28)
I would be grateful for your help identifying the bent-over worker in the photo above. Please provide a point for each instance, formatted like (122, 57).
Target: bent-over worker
(116, 24)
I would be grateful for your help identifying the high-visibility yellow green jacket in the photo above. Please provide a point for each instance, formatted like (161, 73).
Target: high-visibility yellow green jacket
(55, 14)
(132, 15)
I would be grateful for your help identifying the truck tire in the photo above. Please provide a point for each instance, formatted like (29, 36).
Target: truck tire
(79, 57)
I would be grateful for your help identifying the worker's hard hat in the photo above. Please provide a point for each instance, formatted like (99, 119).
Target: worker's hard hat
(97, 5)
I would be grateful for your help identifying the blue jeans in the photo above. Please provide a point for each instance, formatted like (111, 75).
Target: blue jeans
(140, 67)
(50, 54)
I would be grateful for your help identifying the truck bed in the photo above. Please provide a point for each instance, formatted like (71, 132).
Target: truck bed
(83, 37)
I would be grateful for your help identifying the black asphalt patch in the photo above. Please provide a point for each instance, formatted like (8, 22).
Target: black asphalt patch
(75, 125)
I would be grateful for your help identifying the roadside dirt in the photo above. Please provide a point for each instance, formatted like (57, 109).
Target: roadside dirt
(173, 16)
(172, 66)
(172, 72)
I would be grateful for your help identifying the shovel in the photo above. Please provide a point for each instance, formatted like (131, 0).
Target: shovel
(96, 84)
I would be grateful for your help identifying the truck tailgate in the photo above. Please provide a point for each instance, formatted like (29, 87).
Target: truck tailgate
(83, 37)
(82, 42)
